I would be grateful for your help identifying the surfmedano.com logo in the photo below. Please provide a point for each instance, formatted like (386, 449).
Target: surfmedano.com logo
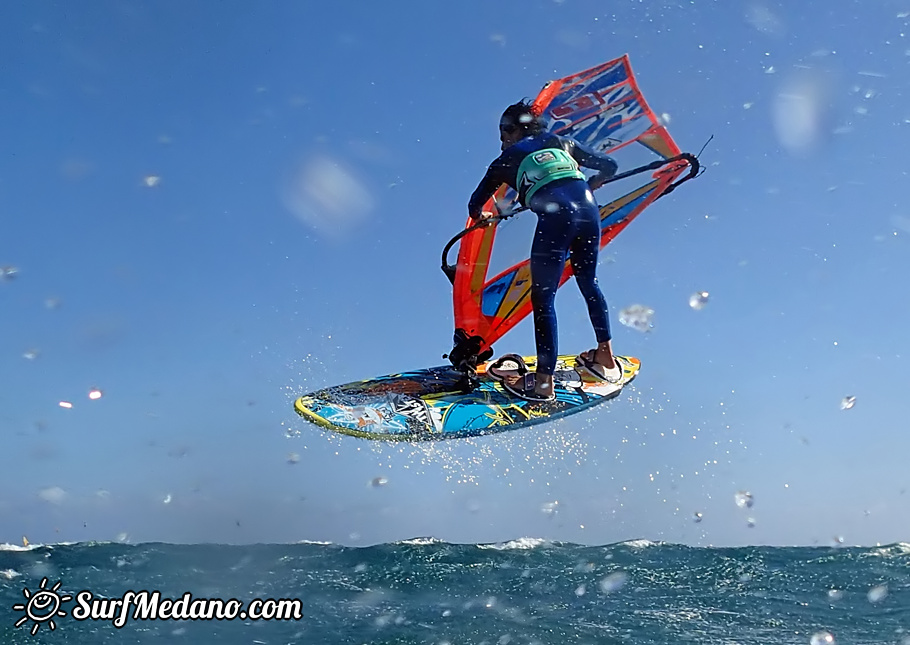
(44, 605)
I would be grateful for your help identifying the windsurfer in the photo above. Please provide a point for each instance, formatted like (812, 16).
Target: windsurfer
(544, 169)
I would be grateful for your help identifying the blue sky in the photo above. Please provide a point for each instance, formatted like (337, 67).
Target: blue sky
(215, 208)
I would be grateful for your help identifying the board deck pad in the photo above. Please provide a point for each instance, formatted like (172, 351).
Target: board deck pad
(426, 405)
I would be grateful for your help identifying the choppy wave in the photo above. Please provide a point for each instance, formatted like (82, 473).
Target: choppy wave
(526, 590)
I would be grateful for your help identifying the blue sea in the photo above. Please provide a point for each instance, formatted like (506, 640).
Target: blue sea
(426, 591)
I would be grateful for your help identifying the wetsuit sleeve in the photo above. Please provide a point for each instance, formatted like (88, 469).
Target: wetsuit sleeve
(604, 164)
(497, 174)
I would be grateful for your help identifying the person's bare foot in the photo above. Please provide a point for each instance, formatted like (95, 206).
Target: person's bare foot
(604, 356)
(543, 385)
(512, 379)
(542, 389)
(601, 363)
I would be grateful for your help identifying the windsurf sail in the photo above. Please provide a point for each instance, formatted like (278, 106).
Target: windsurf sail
(603, 108)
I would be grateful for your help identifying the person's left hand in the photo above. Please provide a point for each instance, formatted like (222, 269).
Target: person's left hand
(485, 218)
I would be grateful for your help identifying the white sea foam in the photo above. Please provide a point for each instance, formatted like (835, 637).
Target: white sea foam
(520, 543)
(19, 547)
(640, 544)
(32, 546)
(421, 541)
(890, 551)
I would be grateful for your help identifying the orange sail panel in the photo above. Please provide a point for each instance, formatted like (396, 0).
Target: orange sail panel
(602, 108)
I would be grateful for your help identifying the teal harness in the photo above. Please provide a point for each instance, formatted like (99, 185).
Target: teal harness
(542, 167)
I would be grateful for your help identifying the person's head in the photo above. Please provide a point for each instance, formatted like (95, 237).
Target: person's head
(518, 122)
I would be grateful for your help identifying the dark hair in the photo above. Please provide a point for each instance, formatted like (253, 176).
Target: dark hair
(521, 115)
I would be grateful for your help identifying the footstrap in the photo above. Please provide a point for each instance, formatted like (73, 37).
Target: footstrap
(501, 367)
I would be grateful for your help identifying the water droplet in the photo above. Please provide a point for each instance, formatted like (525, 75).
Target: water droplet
(326, 196)
(822, 638)
(750, 522)
(614, 582)
(8, 272)
(167, 499)
(698, 300)
(30, 354)
(293, 458)
(549, 508)
(696, 517)
(53, 495)
(65, 404)
(744, 499)
(94, 394)
(877, 594)
(151, 180)
(378, 481)
(835, 594)
(848, 402)
(638, 317)
(52, 303)
(580, 590)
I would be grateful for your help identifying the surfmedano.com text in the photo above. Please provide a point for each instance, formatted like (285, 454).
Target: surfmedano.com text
(147, 605)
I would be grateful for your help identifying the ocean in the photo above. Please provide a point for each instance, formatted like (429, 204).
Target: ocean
(426, 591)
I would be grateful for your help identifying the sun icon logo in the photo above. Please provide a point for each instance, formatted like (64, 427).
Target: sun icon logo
(42, 606)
